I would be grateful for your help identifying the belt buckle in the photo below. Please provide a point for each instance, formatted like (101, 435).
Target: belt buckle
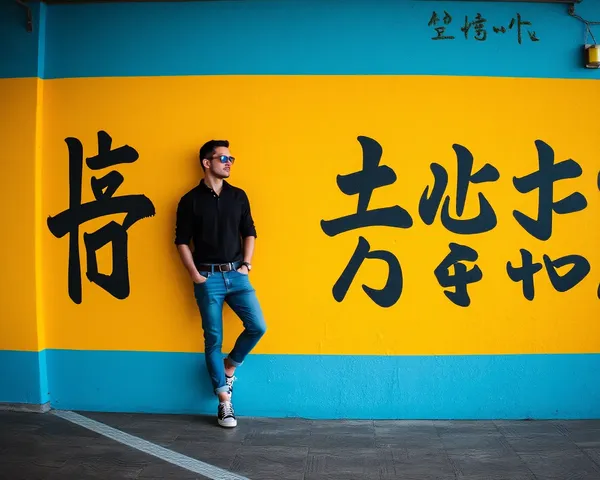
(221, 266)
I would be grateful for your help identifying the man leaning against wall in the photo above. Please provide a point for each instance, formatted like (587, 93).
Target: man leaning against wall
(215, 217)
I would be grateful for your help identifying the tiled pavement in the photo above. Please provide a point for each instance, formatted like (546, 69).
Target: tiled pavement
(43, 446)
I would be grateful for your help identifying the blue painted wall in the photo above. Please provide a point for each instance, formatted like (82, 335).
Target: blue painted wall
(22, 53)
(312, 37)
(335, 386)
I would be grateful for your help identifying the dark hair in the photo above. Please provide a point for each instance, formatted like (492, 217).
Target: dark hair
(209, 147)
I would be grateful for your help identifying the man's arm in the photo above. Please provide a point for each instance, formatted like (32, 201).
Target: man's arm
(183, 237)
(188, 261)
(248, 252)
(248, 233)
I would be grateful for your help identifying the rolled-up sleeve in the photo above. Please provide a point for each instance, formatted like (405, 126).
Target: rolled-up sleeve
(247, 228)
(183, 223)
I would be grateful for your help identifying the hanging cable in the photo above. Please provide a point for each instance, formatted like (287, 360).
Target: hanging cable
(588, 24)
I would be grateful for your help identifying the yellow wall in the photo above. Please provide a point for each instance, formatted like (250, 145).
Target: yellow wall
(334, 78)
(292, 136)
(20, 138)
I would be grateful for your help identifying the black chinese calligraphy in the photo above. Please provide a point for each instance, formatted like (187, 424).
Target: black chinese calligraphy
(461, 277)
(580, 267)
(543, 180)
(136, 207)
(363, 183)
(385, 297)
(429, 204)
(434, 20)
(478, 24)
(519, 22)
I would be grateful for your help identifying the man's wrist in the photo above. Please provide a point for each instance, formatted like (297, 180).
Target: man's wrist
(248, 265)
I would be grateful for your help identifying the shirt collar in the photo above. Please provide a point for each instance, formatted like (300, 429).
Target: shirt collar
(205, 187)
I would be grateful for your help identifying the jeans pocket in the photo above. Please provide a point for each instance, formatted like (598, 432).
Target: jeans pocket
(206, 275)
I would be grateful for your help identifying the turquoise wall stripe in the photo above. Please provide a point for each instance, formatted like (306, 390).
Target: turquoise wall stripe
(320, 386)
(19, 49)
(41, 30)
(43, 376)
(22, 377)
(312, 37)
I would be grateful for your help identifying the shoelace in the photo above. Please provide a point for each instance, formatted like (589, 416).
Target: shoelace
(227, 409)
(229, 380)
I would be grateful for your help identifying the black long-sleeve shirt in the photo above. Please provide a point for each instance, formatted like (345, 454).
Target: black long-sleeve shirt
(215, 223)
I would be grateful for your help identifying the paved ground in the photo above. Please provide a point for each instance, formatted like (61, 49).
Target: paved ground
(43, 446)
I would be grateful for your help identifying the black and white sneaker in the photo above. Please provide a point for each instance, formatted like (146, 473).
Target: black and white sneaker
(226, 416)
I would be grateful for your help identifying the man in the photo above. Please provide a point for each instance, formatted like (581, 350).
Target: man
(216, 217)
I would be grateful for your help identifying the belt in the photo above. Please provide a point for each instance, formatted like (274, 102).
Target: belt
(218, 267)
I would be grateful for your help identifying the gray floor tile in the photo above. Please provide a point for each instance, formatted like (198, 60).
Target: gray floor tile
(166, 470)
(162, 431)
(338, 476)
(457, 443)
(365, 463)
(593, 454)
(394, 438)
(260, 463)
(114, 456)
(421, 463)
(278, 439)
(60, 428)
(585, 438)
(498, 476)
(562, 465)
(541, 442)
(27, 448)
(344, 440)
(23, 471)
(405, 429)
(522, 428)
(206, 429)
(91, 470)
(215, 453)
(114, 420)
(302, 449)
(580, 424)
(407, 424)
(465, 426)
(481, 463)
(288, 433)
(342, 427)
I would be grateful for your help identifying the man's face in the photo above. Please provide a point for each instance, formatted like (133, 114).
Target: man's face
(219, 168)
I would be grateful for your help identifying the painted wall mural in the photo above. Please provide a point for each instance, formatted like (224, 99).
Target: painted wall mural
(424, 178)
(476, 27)
(136, 207)
(373, 175)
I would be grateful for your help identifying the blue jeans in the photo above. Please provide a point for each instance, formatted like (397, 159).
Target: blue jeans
(234, 288)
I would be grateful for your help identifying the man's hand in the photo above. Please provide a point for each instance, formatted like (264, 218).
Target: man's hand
(198, 279)
(243, 270)
(186, 257)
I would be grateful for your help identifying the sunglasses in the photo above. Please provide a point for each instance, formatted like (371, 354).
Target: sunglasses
(225, 159)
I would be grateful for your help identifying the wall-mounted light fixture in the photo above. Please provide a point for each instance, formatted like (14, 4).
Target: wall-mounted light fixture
(592, 56)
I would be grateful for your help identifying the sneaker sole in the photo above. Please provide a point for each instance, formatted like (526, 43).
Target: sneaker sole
(228, 424)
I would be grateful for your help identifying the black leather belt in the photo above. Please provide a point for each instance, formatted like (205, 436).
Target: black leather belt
(218, 267)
